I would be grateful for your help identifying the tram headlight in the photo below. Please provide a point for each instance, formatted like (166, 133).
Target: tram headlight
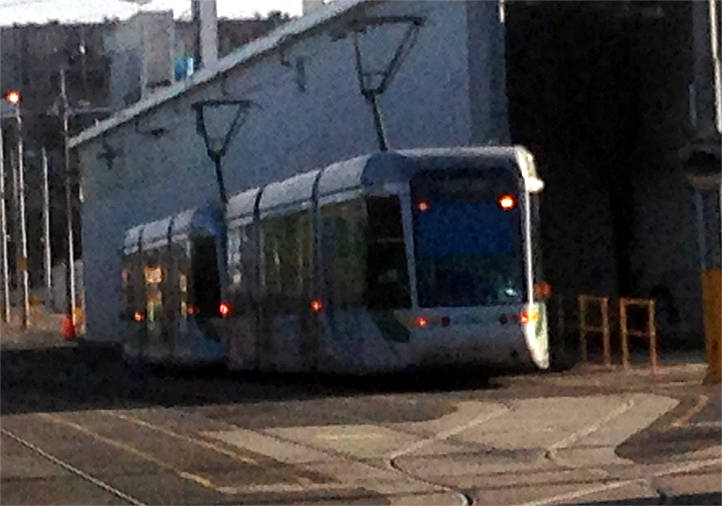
(506, 202)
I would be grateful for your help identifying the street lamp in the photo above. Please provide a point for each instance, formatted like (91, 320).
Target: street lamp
(13, 98)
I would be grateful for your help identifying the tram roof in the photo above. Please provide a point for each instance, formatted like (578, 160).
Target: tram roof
(131, 238)
(366, 171)
(294, 191)
(398, 166)
(155, 233)
(373, 170)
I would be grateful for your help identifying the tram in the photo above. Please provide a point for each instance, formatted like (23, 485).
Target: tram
(384, 262)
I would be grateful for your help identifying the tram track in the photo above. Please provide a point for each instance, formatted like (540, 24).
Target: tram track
(390, 463)
(72, 469)
(350, 413)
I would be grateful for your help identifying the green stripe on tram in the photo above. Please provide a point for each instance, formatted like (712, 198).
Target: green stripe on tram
(391, 328)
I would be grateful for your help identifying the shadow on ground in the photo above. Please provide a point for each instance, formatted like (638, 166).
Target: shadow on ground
(86, 376)
(708, 498)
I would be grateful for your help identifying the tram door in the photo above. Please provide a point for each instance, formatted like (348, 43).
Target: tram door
(134, 302)
(153, 275)
(205, 282)
(288, 337)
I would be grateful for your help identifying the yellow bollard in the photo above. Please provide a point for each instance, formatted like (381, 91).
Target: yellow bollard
(712, 306)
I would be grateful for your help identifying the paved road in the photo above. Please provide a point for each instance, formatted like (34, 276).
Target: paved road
(79, 427)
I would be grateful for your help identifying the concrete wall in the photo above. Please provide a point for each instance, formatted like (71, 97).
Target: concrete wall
(293, 130)
(141, 56)
(663, 253)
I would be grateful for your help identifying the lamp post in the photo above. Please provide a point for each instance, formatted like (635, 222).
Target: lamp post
(70, 270)
(13, 97)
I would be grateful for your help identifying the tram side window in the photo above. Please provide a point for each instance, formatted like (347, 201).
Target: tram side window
(250, 262)
(128, 285)
(205, 284)
(387, 275)
(153, 274)
(180, 251)
(272, 237)
(235, 274)
(287, 258)
(344, 252)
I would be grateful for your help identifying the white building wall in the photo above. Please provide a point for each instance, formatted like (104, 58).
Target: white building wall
(292, 130)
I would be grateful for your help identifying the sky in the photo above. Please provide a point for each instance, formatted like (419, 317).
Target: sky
(41, 11)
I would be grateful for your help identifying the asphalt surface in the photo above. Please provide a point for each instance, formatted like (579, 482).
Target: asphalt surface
(80, 426)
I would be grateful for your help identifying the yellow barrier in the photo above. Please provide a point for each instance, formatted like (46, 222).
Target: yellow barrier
(649, 334)
(584, 329)
(712, 305)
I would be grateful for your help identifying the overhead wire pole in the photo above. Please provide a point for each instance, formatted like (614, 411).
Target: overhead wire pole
(370, 92)
(46, 232)
(23, 260)
(4, 232)
(70, 269)
(215, 151)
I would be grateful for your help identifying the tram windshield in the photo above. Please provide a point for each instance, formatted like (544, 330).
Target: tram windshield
(467, 237)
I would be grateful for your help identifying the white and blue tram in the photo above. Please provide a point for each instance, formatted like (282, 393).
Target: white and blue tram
(384, 262)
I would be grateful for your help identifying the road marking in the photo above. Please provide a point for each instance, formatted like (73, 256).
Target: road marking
(589, 429)
(337, 437)
(205, 482)
(684, 419)
(446, 434)
(618, 484)
(72, 469)
(339, 454)
(204, 444)
(716, 424)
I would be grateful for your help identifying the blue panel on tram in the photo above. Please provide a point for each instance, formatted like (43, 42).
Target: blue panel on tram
(459, 228)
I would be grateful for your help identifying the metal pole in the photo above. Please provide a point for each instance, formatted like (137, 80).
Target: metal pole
(219, 179)
(4, 232)
(46, 232)
(23, 260)
(373, 100)
(717, 66)
(70, 270)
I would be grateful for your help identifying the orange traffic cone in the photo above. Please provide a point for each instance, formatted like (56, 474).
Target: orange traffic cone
(67, 328)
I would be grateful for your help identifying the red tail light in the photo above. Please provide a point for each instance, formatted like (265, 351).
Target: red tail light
(138, 316)
(192, 310)
(542, 290)
(316, 306)
(422, 206)
(421, 321)
(530, 316)
(225, 309)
